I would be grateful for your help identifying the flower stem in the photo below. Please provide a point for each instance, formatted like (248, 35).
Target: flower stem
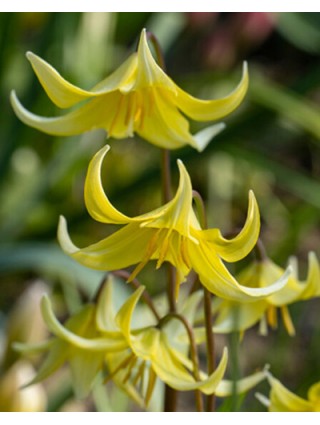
(166, 196)
(171, 395)
(193, 352)
(210, 345)
(260, 251)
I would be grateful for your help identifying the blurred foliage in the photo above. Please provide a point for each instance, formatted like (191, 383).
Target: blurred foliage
(271, 145)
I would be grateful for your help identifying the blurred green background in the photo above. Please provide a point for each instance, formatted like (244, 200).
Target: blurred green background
(271, 145)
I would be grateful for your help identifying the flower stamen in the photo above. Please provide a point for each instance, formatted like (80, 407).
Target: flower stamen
(287, 320)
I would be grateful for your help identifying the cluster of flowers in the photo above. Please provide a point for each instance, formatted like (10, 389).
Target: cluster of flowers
(104, 339)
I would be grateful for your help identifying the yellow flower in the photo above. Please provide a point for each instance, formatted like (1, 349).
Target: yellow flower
(163, 353)
(99, 335)
(136, 356)
(233, 316)
(170, 233)
(82, 342)
(283, 400)
(136, 98)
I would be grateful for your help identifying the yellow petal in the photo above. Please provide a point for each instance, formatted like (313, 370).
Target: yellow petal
(56, 357)
(238, 317)
(149, 72)
(85, 366)
(283, 400)
(226, 387)
(311, 287)
(177, 214)
(235, 249)
(37, 347)
(218, 280)
(161, 123)
(290, 293)
(170, 370)
(65, 95)
(207, 110)
(60, 91)
(105, 314)
(97, 203)
(314, 393)
(124, 316)
(204, 136)
(124, 248)
(98, 113)
(94, 344)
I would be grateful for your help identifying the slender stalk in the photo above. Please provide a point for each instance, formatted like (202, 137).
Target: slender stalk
(260, 251)
(193, 352)
(210, 402)
(210, 345)
(170, 401)
(171, 395)
(166, 175)
(123, 274)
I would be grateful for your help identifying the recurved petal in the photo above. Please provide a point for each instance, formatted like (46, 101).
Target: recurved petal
(97, 113)
(218, 280)
(208, 110)
(97, 203)
(311, 287)
(170, 370)
(204, 136)
(56, 357)
(283, 400)
(93, 344)
(122, 249)
(65, 94)
(227, 387)
(271, 272)
(124, 316)
(60, 91)
(176, 214)
(314, 394)
(238, 317)
(235, 249)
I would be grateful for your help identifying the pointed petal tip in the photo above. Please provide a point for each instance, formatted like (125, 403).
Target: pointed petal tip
(62, 221)
(252, 197)
(13, 97)
(63, 237)
(105, 149)
(143, 37)
(181, 166)
(30, 55)
(225, 353)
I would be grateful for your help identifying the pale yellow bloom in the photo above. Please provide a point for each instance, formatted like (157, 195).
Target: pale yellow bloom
(233, 316)
(101, 335)
(136, 98)
(283, 400)
(170, 233)
(163, 353)
(82, 342)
